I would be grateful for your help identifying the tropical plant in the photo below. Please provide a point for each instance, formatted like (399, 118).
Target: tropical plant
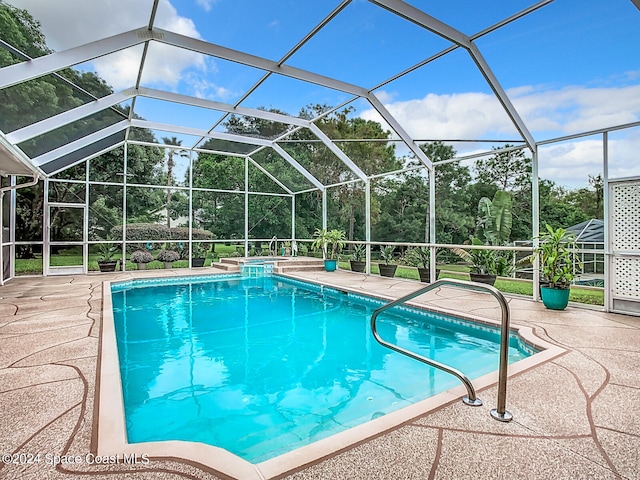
(141, 256)
(386, 253)
(419, 257)
(329, 241)
(483, 262)
(199, 250)
(107, 251)
(495, 218)
(558, 257)
(359, 252)
(168, 256)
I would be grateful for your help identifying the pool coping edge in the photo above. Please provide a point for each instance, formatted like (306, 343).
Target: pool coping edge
(111, 438)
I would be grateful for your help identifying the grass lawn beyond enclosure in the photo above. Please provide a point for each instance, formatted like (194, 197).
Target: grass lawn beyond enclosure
(586, 295)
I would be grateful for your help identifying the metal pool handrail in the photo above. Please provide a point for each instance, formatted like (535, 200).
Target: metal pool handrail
(498, 413)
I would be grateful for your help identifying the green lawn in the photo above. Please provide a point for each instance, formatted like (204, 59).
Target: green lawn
(505, 285)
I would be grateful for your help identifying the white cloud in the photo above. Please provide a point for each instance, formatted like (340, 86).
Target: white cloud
(547, 113)
(165, 65)
(464, 115)
(207, 5)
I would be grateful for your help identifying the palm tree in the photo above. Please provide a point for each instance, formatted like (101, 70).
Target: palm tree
(170, 164)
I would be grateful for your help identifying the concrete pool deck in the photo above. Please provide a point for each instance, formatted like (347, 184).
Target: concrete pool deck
(575, 416)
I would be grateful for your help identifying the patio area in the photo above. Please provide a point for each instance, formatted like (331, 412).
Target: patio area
(575, 416)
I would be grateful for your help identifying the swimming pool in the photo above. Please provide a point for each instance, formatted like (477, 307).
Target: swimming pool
(261, 366)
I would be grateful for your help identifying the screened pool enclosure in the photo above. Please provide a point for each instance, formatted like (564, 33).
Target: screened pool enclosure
(176, 131)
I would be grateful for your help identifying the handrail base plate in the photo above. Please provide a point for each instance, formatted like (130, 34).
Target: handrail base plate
(501, 417)
(472, 403)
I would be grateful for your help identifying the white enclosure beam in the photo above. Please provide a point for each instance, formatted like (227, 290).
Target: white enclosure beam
(294, 163)
(266, 172)
(223, 107)
(337, 152)
(218, 51)
(21, 72)
(80, 143)
(70, 116)
(200, 133)
(411, 13)
(420, 18)
(502, 96)
(393, 123)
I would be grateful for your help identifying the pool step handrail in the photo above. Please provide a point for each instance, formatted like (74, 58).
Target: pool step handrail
(500, 413)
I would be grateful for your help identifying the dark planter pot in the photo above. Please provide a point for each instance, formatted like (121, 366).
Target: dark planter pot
(425, 275)
(387, 270)
(483, 278)
(357, 266)
(197, 262)
(107, 266)
(555, 298)
(330, 265)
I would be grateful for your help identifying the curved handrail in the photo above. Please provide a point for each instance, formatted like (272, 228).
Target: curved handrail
(499, 413)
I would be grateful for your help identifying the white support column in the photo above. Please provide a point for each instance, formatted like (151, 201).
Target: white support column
(246, 206)
(535, 220)
(125, 176)
(45, 229)
(432, 222)
(608, 284)
(85, 222)
(324, 208)
(367, 225)
(191, 208)
(293, 218)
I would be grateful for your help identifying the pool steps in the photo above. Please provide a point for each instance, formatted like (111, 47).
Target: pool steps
(287, 264)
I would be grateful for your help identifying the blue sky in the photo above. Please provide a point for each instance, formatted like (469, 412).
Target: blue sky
(570, 66)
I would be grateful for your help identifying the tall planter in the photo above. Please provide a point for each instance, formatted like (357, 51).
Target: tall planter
(330, 265)
(425, 275)
(357, 266)
(107, 266)
(555, 298)
(197, 262)
(483, 278)
(387, 270)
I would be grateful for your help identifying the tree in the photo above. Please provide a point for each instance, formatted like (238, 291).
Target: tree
(509, 171)
(371, 157)
(404, 204)
(454, 223)
(171, 152)
(554, 209)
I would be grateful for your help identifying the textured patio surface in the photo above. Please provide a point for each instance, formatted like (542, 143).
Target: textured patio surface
(577, 416)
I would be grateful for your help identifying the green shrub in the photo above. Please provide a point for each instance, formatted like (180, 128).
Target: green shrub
(145, 232)
(142, 232)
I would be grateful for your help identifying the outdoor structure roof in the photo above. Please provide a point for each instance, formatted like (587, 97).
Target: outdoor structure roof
(296, 62)
(591, 231)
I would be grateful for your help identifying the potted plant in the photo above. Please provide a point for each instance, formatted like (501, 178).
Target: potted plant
(357, 258)
(168, 257)
(483, 262)
(106, 262)
(386, 269)
(141, 258)
(419, 257)
(329, 241)
(557, 262)
(198, 255)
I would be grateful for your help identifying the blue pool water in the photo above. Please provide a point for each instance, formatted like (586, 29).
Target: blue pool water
(261, 366)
